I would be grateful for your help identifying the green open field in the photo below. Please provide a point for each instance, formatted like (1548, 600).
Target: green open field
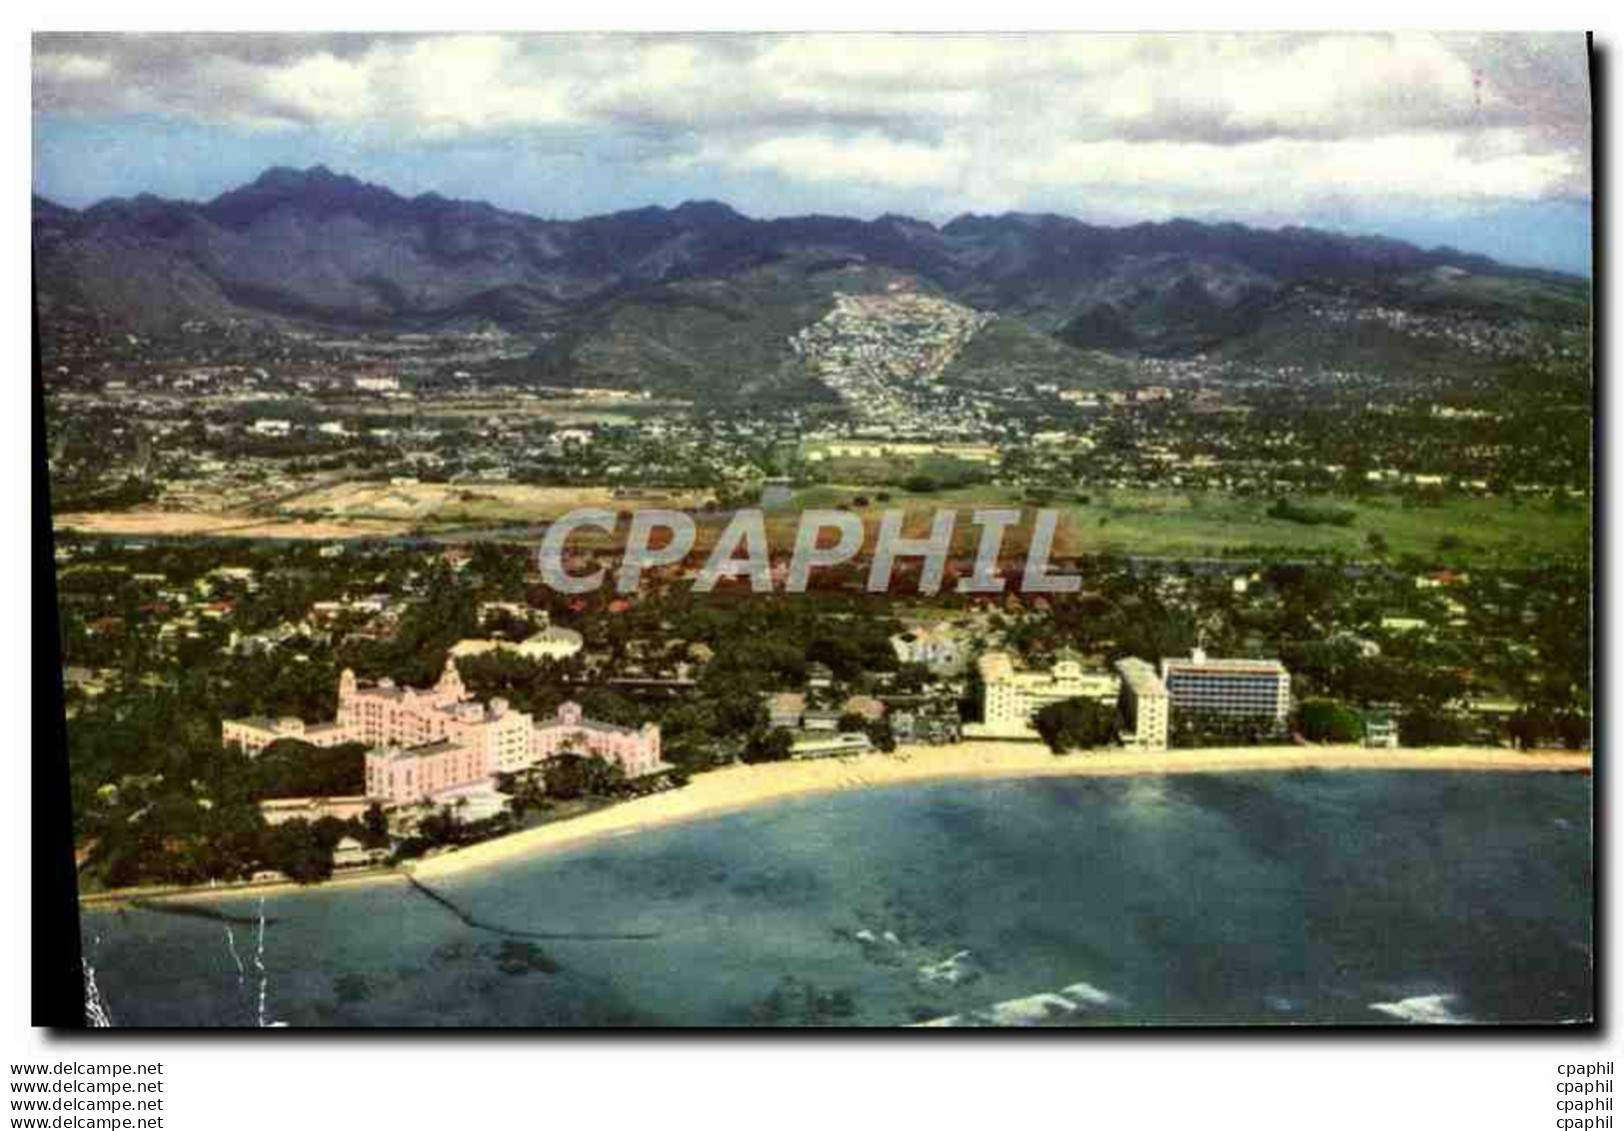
(1150, 523)
(882, 471)
(1213, 524)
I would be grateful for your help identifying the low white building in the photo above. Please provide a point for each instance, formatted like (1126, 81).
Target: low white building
(1381, 732)
(351, 853)
(832, 745)
(552, 643)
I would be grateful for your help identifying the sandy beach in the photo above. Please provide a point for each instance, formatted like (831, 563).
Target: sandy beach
(742, 787)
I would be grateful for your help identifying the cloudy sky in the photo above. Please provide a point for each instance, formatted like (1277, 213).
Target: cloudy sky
(1478, 141)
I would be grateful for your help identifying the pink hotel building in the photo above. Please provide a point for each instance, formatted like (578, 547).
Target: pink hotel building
(439, 739)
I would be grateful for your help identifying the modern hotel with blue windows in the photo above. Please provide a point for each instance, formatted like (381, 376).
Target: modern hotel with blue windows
(1237, 688)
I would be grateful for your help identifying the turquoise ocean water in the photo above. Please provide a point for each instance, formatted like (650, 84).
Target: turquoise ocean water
(1366, 898)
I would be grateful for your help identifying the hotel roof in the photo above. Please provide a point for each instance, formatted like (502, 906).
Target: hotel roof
(556, 634)
(428, 749)
(1141, 676)
(261, 722)
(1256, 667)
(585, 724)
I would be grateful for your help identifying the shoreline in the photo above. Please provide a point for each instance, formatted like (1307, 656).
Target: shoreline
(734, 789)
(737, 788)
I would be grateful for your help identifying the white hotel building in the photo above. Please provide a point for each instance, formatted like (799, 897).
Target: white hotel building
(1010, 698)
(1145, 705)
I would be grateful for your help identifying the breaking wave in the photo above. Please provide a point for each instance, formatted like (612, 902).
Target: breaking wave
(955, 970)
(1430, 1009)
(1027, 1012)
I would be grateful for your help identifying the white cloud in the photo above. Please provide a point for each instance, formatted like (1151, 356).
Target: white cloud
(907, 60)
(1296, 173)
(866, 159)
(72, 68)
(322, 85)
(470, 83)
(1318, 87)
(1249, 120)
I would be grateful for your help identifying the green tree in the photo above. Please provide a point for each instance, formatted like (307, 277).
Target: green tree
(1429, 726)
(376, 823)
(769, 745)
(1077, 724)
(570, 777)
(1325, 720)
(294, 849)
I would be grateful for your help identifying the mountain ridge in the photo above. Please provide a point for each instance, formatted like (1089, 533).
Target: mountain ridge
(319, 246)
(286, 179)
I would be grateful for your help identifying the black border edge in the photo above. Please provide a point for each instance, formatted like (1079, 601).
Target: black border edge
(56, 969)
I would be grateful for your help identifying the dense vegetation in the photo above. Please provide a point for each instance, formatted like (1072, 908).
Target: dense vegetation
(1077, 724)
(1323, 720)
